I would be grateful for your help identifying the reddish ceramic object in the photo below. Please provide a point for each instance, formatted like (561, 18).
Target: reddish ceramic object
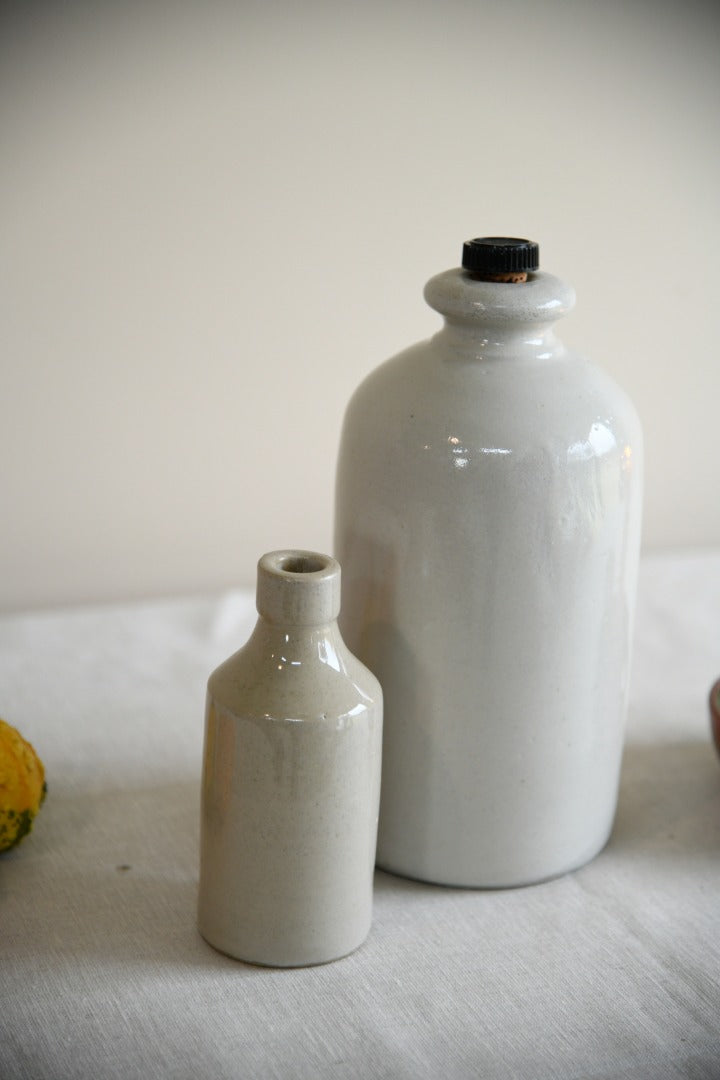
(715, 714)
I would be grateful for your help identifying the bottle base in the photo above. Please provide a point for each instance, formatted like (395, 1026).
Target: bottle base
(290, 958)
(489, 881)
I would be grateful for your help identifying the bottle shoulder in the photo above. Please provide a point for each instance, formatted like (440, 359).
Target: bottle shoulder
(394, 374)
(318, 679)
(425, 393)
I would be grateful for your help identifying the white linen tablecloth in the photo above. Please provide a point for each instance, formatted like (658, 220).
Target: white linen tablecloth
(610, 972)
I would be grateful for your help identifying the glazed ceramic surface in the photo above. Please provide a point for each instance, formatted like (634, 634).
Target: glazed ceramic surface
(291, 778)
(714, 704)
(488, 522)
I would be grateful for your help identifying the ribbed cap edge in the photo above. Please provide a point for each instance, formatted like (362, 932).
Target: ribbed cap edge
(500, 255)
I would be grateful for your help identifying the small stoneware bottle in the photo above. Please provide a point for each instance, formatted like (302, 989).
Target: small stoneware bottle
(291, 778)
(488, 523)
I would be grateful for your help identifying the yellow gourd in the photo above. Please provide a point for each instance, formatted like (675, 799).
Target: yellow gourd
(22, 786)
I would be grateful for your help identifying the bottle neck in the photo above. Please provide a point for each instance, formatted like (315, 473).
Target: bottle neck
(461, 340)
(494, 320)
(298, 588)
(293, 648)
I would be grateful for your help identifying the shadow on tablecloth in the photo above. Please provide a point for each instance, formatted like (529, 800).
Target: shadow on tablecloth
(113, 875)
(669, 801)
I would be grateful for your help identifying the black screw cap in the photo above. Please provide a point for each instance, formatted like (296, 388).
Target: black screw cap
(500, 255)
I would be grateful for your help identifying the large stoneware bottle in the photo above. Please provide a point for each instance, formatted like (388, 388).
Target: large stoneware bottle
(488, 523)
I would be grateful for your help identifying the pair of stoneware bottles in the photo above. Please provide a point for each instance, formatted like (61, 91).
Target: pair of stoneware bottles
(488, 526)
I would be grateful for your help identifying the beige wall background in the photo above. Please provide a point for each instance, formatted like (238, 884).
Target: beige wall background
(217, 218)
